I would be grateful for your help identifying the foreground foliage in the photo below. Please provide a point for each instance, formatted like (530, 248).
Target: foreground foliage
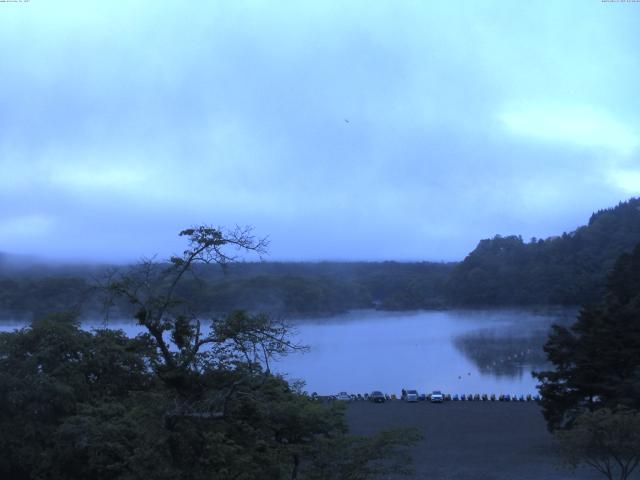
(77, 405)
(591, 400)
(606, 440)
(184, 400)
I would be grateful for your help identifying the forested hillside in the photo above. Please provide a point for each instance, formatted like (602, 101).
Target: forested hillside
(570, 269)
(565, 270)
(327, 287)
(298, 289)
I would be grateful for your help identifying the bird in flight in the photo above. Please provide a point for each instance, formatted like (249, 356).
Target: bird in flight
(346, 120)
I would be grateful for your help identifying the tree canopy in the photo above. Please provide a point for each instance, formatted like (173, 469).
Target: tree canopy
(606, 440)
(186, 399)
(597, 360)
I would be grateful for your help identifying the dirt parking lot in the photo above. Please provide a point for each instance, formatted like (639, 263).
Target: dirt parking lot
(470, 440)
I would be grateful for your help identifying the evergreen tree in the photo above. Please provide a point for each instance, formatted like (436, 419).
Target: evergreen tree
(597, 360)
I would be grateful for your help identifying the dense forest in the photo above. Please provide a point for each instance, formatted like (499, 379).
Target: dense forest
(569, 269)
(300, 289)
(566, 270)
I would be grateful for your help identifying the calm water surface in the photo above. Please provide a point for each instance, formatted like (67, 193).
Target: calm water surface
(456, 351)
(453, 351)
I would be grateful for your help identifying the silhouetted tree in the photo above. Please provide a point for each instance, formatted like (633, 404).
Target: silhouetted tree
(597, 360)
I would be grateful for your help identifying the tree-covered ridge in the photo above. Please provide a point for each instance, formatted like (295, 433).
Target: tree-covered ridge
(565, 270)
(570, 269)
(327, 287)
(281, 288)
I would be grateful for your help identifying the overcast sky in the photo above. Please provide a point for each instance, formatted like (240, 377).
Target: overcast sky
(362, 130)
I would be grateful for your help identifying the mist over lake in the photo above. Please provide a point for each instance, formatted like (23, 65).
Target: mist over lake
(456, 351)
(427, 350)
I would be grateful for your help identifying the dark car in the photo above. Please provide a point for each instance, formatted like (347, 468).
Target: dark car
(377, 397)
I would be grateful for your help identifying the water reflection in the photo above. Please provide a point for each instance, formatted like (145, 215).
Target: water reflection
(515, 348)
(456, 351)
(504, 353)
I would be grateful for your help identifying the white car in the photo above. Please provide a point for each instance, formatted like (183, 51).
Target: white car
(411, 396)
(344, 397)
(437, 396)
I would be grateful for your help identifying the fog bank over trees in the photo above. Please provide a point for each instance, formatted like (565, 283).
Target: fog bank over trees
(568, 269)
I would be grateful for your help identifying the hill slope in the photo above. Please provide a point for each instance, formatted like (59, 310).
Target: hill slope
(570, 269)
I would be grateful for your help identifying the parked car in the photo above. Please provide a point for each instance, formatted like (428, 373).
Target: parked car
(411, 396)
(343, 397)
(377, 397)
(437, 397)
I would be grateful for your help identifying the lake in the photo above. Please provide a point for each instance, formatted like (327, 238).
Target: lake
(456, 351)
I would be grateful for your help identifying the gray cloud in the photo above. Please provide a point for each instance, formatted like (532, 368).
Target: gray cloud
(359, 131)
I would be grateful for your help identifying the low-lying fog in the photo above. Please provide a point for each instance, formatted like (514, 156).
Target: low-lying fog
(457, 351)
